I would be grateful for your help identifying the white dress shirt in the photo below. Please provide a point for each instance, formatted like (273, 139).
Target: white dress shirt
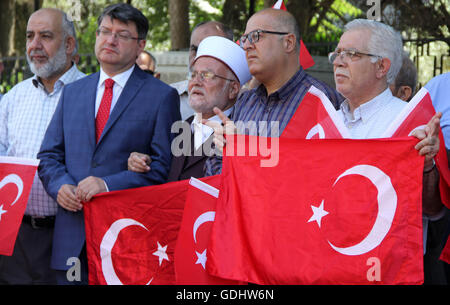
(371, 119)
(25, 112)
(202, 132)
(120, 81)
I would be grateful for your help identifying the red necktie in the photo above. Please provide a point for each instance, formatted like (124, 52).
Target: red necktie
(104, 109)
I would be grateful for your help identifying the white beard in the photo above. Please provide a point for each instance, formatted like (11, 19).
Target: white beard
(54, 65)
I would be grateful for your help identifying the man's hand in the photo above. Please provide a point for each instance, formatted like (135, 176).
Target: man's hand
(139, 163)
(88, 187)
(429, 144)
(227, 127)
(67, 199)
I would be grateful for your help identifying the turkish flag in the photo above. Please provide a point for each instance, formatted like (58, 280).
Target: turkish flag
(331, 212)
(16, 179)
(193, 238)
(315, 118)
(416, 115)
(306, 60)
(131, 234)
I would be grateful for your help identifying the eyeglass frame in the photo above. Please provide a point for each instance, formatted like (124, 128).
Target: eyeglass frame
(349, 52)
(258, 33)
(193, 75)
(107, 33)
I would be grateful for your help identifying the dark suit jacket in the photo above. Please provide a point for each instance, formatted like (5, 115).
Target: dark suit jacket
(140, 121)
(187, 166)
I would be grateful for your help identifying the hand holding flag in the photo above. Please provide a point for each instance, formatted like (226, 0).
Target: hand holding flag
(429, 136)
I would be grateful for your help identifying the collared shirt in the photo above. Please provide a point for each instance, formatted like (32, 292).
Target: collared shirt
(371, 119)
(25, 112)
(439, 88)
(202, 132)
(120, 81)
(182, 89)
(257, 113)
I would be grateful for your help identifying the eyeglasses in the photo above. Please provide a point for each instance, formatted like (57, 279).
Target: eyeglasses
(347, 54)
(123, 36)
(206, 76)
(253, 36)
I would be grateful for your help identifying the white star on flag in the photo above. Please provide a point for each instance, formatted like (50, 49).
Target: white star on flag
(318, 213)
(161, 253)
(201, 258)
(2, 211)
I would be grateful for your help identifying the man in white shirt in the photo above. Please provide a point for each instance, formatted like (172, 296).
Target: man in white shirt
(366, 61)
(25, 112)
(217, 73)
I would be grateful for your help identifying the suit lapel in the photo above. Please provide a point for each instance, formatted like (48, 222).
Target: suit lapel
(134, 83)
(88, 96)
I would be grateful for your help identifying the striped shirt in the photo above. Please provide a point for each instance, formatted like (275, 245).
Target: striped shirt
(269, 115)
(25, 112)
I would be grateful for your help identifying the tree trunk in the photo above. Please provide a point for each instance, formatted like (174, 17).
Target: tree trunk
(179, 24)
(6, 26)
(232, 12)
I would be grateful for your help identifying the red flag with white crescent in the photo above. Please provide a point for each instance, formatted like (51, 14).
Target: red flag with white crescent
(190, 252)
(316, 118)
(334, 211)
(131, 234)
(16, 179)
(416, 115)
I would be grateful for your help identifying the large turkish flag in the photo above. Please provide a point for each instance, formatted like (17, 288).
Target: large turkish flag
(131, 234)
(16, 179)
(330, 212)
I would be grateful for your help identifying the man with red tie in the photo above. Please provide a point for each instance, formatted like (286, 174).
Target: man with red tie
(98, 123)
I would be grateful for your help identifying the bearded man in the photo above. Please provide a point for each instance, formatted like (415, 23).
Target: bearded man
(25, 112)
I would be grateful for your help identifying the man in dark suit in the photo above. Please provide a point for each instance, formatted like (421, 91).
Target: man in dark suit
(217, 74)
(99, 121)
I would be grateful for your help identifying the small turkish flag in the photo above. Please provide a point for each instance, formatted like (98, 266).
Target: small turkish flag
(131, 234)
(416, 115)
(315, 118)
(193, 238)
(353, 216)
(16, 179)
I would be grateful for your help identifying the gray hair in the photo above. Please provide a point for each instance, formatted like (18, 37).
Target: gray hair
(69, 30)
(384, 41)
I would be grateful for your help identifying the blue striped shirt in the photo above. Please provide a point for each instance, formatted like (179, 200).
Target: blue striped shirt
(262, 111)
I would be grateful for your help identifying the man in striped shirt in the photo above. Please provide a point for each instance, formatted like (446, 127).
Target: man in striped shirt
(272, 45)
(25, 112)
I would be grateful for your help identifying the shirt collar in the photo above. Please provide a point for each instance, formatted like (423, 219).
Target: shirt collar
(119, 79)
(286, 89)
(68, 77)
(214, 118)
(368, 109)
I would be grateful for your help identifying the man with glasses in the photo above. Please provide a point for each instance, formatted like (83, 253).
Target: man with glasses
(217, 73)
(25, 112)
(199, 32)
(99, 121)
(366, 61)
(272, 45)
